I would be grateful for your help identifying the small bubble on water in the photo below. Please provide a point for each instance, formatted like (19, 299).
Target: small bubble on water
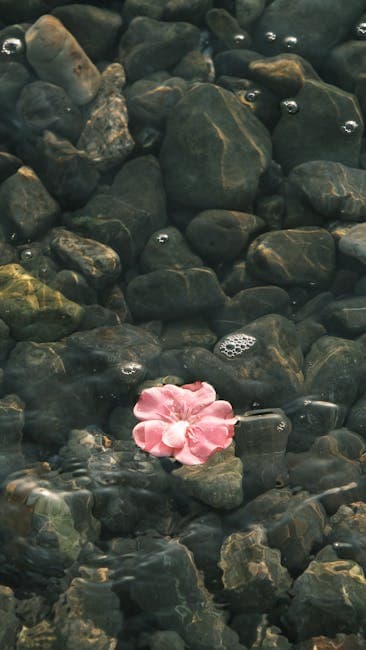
(239, 39)
(162, 238)
(350, 127)
(11, 46)
(270, 37)
(252, 95)
(290, 106)
(130, 369)
(26, 255)
(13, 237)
(361, 30)
(290, 42)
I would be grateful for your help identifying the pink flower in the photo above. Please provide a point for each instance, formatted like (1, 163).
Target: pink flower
(186, 422)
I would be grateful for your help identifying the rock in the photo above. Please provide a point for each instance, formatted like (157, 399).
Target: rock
(204, 536)
(346, 64)
(12, 44)
(42, 635)
(150, 101)
(332, 370)
(9, 164)
(354, 243)
(99, 264)
(318, 108)
(167, 249)
(311, 33)
(309, 331)
(267, 352)
(218, 482)
(235, 278)
(260, 442)
(9, 623)
(310, 419)
(192, 11)
(253, 576)
(96, 316)
(247, 305)
(221, 235)
(169, 294)
(13, 77)
(261, 101)
(218, 180)
(340, 642)
(194, 66)
(32, 310)
(105, 136)
(247, 11)
(26, 204)
(44, 106)
(301, 256)
(149, 45)
(74, 287)
(86, 23)
(166, 641)
(57, 57)
(133, 8)
(331, 189)
(356, 420)
(235, 62)
(284, 74)
(68, 173)
(227, 29)
(345, 317)
(329, 597)
(348, 532)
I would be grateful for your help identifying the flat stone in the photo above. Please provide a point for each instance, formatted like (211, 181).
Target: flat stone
(209, 118)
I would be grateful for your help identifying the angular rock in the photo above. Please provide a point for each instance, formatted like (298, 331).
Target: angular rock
(105, 136)
(218, 482)
(300, 256)
(26, 204)
(57, 57)
(310, 419)
(169, 294)
(150, 101)
(42, 635)
(99, 264)
(284, 74)
(32, 310)
(210, 119)
(348, 532)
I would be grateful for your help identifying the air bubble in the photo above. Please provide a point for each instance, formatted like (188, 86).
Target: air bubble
(162, 238)
(349, 127)
(290, 106)
(239, 39)
(13, 237)
(252, 95)
(11, 46)
(361, 30)
(26, 255)
(235, 344)
(290, 42)
(281, 426)
(130, 369)
(270, 36)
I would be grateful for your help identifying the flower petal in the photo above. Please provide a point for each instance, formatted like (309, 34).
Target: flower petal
(210, 435)
(148, 436)
(175, 434)
(198, 398)
(154, 404)
(219, 409)
(185, 456)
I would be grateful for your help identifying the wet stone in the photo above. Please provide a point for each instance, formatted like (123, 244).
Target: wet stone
(221, 235)
(320, 109)
(348, 532)
(13, 77)
(105, 137)
(217, 483)
(192, 11)
(73, 286)
(133, 8)
(234, 62)
(311, 418)
(311, 33)
(169, 294)
(253, 577)
(194, 66)
(166, 249)
(86, 23)
(204, 536)
(247, 11)
(345, 317)
(216, 181)
(26, 204)
(42, 635)
(9, 622)
(340, 641)
(346, 64)
(356, 420)
(44, 106)
(284, 74)
(9, 164)
(57, 57)
(32, 310)
(99, 264)
(354, 243)
(301, 256)
(227, 29)
(150, 101)
(149, 45)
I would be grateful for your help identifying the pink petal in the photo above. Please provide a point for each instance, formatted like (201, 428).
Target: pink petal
(210, 435)
(218, 409)
(154, 404)
(186, 456)
(148, 436)
(175, 434)
(197, 399)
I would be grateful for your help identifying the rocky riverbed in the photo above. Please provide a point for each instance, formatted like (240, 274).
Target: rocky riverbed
(182, 199)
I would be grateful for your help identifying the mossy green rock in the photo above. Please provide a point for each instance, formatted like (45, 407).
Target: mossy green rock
(32, 310)
(214, 150)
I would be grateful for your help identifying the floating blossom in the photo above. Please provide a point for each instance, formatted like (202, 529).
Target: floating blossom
(186, 422)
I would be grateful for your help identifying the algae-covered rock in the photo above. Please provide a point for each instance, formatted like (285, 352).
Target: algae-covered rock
(32, 310)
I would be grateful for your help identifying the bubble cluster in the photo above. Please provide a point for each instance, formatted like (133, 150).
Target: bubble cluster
(130, 369)
(162, 238)
(290, 42)
(235, 344)
(270, 37)
(11, 46)
(361, 30)
(252, 95)
(349, 127)
(290, 106)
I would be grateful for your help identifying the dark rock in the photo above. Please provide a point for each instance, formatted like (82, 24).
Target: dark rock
(133, 8)
(97, 316)
(191, 10)
(204, 536)
(309, 331)
(10, 624)
(340, 642)
(221, 235)
(168, 249)
(215, 181)
(26, 205)
(32, 310)
(26, 9)
(149, 45)
(284, 74)
(194, 66)
(86, 23)
(348, 532)
(253, 576)
(6, 343)
(235, 278)
(247, 305)
(318, 108)
(262, 102)
(247, 11)
(345, 317)
(260, 442)
(169, 294)
(217, 482)
(332, 370)
(150, 101)
(105, 136)
(235, 62)
(9, 164)
(13, 77)
(314, 307)
(227, 29)
(310, 419)
(74, 287)
(311, 33)
(266, 351)
(272, 210)
(166, 641)
(354, 242)
(356, 420)
(346, 64)
(57, 57)
(43, 106)
(12, 44)
(99, 264)
(301, 256)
